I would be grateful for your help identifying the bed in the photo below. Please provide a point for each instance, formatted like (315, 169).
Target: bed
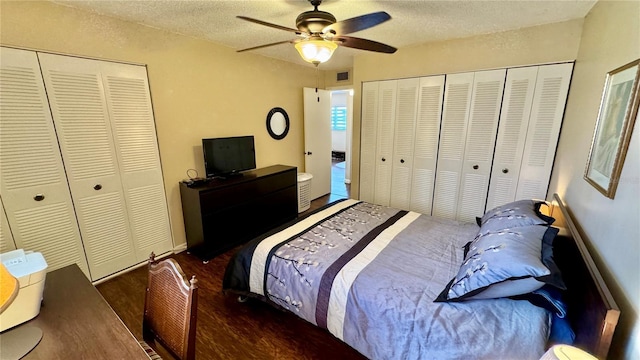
(393, 284)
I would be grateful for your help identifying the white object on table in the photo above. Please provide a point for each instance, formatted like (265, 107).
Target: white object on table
(566, 352)
(30, 270)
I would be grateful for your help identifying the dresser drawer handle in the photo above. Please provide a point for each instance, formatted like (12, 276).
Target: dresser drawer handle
(38, 197)
(97, 187)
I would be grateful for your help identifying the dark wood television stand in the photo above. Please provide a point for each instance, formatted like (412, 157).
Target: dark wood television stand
(223, 213)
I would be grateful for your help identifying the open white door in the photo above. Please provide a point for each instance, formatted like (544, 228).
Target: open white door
(317, 140)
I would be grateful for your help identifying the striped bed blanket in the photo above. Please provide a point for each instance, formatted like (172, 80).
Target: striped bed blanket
(369, 275)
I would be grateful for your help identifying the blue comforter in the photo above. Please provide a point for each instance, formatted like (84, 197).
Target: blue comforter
(369, 275)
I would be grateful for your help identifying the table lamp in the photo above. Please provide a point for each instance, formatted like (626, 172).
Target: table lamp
(16, 342)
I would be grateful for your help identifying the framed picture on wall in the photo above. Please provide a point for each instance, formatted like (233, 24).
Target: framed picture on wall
(618, 110)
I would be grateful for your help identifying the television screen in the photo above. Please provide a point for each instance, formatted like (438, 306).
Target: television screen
(228, 156)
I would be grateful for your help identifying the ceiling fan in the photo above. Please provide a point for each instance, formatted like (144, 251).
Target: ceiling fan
(319, 34)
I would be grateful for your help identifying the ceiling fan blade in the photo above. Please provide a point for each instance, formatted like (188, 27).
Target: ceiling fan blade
(357, 23)
(265, 45)
(275, 26)
(364, 44)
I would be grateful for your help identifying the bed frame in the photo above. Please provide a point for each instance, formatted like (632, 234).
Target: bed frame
(592, 311)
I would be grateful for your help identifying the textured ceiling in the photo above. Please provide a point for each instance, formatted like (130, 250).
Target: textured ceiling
(413, 22)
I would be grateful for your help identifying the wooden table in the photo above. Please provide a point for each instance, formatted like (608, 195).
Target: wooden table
(77, 323)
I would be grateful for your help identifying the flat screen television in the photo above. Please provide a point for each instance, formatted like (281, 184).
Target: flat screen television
(224, 157)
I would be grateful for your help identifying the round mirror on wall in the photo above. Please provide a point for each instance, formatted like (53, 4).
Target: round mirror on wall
(278, 123)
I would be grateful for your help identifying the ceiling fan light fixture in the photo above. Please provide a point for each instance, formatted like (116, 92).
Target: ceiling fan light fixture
(319, 34)
(316, 51)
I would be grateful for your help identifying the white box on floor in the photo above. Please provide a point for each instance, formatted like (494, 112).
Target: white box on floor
(30, 270)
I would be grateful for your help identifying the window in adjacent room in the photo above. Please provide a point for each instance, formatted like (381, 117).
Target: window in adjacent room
(338, 118)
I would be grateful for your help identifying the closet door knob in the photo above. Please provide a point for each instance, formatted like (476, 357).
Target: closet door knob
(402, 161)
(97, 187)
(383, 159)
(38, 197)
(505, 171)
(475, 167)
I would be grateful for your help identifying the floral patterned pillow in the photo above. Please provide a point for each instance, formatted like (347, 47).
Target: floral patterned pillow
(501, 257)
(515, 214)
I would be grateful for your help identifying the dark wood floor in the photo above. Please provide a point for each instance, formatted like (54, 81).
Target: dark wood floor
(228, 329)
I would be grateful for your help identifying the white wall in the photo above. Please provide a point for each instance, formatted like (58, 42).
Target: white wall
(610, 38)
(338, 140)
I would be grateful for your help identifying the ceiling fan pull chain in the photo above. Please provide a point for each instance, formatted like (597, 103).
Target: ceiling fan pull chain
(317, 82)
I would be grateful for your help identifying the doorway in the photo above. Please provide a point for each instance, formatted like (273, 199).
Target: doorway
(341, 132)
(328, 124)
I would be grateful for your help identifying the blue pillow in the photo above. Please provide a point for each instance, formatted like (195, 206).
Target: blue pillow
(550, 298)
(547, 297)
(497, 256)
(561, 331)
(555, 277)
(515, 214)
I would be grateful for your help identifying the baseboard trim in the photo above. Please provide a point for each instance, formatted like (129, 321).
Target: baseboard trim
(143, 263)
(180, 248)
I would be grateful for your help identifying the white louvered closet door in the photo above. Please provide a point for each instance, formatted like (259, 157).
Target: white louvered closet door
(427, 131)
(6, 238)
(33, 184)
(453, 131)
(512, 132)
(404, 134)
(387, 91)
(368, 138)
(486, 100)
(77, 100)
(133, 128)
(549, 101)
